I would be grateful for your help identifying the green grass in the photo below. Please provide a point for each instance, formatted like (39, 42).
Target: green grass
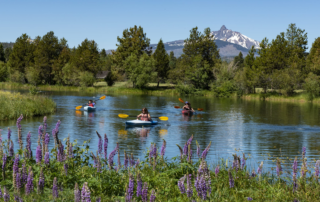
(15, 104)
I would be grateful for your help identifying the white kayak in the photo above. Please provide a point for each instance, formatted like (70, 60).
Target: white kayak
(141, 123)
(88, 108)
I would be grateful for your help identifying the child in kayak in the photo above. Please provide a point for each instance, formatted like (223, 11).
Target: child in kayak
(187, 106)
(91, 103)
(145, 116)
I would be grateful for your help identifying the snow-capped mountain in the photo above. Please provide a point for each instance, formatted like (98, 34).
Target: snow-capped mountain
(228, 35)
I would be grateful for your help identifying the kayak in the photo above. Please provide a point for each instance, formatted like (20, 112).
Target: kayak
(187, 112)
(88, 108)
(141, 123)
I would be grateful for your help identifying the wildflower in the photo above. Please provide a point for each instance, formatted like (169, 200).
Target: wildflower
(98, 199)
(41, 182)
(181, 185)
(216, 171)
(47, 158)
(105, 146)
(11, 153)
(40, 131)
(6, 195)
(295, 166)
(0, 193)
(139, 185)
(85, 193)
(29, 185)
(61, 154)
(185, 149)
(38, 154)
(189, 186)
(111, 155)
(317, 168)
(16, 164)
(243, 163)
(145, 192)
(137, 163)
(163, 148)
(249, 199)
(65, 167)
(45, 124)
(55, 191)
(99, 143)
(77, 193)
(119, 162)
(47, 139)
(295, 185)
(231, 181)
(24, 174)
(131, 160)
(197, 185)
(18, 181)
(205, 152)
(151, 152)
(18, 121)
(279, 168)
(4, 161)
(28, 146)
(198, 149)
(153, 196)
(260, 168)
(9, 134)
(303, 152)
(130, 188)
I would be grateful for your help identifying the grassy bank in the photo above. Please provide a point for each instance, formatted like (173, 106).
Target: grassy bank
(65, 171)
(14, 104)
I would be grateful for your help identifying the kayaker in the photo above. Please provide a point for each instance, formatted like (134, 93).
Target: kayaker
(187, 106)
(91, 103)
(145, 116)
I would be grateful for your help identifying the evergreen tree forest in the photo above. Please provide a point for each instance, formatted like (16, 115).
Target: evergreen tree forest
(282, 64)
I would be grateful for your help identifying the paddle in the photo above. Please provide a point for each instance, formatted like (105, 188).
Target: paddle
(162, 118)
(199, 109)
(102, 98)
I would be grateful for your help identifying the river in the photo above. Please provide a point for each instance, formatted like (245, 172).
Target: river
(260, 129)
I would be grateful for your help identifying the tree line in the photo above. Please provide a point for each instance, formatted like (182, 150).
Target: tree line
(281, 63)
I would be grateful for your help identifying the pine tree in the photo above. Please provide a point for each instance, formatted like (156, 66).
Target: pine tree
(313, 60)
(7, 53)
(103, 53)
(161, 61)
(2, 55)
(239, 61)
(172, 61)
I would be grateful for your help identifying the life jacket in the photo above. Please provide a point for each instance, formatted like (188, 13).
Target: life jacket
(144, 117)
(90, 105)
(186, 107)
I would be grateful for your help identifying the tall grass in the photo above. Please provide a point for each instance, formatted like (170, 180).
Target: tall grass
(14, 104)
(103, 176)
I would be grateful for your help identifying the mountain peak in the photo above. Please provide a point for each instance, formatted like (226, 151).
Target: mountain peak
(223, 27)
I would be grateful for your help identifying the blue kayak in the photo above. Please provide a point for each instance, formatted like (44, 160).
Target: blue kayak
(141, 123)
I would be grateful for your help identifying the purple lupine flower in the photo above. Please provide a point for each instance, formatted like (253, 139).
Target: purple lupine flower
(190, 140)
(260, 168)
(185, 149)
(151, 152)
(55, 191)
(243, 162)
(163, 148)
(111, 155)
(65, 167)
(38, 154)
(231, 181)
(131, 160)
(77, 193)
(0, 193)
(279, 168)
(85, 193)
(99, 144)
(130, 188)
(303, 152)
(189, 186)
(216, 171)
(61, 153)
(18, 121)
(70, 151)
(317, 168)
(119, 162)
(181, 185)
(18, 180)
(40, 131)
(125, 160)
(29, 185)
(11, 149)
(153, 196)
(295, 185)
(28, 146)
(56, 129)
(204, 188)
(249, 199)
(155, 151)
(139, 185)
(98, 199)
(145, 192)
(47, 158)
(205, 152)
(105, 146)
(197, 185)
(6, 195)
(47, 139)
(41, 181)
(137, 163)
(45, 124)
(16, 164)
(4, 161)
(295, 166)
(54, 134)
(9, 134)
(198, 149)
(253, 174)
(24, 174)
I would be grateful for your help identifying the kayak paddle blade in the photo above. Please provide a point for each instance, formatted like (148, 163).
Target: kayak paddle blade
(163, 118)
(181, 100)
(177, 107)
(78, 107)
(103, 97)
(123, 116)
(200, 109)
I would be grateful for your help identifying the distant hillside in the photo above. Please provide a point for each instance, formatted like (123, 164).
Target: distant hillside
(7, 45)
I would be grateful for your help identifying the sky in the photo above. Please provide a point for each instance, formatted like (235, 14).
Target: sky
(103, 21)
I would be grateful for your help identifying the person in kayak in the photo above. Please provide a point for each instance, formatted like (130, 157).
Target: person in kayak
(187, 106)
(144, 116)
(91, 103)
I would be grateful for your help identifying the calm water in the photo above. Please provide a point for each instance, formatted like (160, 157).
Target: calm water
(259, 129)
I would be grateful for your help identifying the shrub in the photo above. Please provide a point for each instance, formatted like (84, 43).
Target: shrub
(312, 85)
(86, 79)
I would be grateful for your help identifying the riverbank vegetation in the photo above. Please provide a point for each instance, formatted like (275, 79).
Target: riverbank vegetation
(281, 65)
(70, 172)
(15, 104)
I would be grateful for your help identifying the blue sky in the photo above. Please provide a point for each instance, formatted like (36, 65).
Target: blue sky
(103, 21)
